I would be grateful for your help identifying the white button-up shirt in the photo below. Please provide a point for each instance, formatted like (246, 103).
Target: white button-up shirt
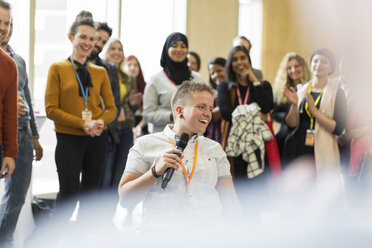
(178, 201)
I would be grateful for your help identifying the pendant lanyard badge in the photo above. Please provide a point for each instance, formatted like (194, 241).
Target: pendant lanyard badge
(85, 114)
(310, 133)
(188, 178)
(239, 96)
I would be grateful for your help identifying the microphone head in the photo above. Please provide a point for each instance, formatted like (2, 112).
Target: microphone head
(182, 140)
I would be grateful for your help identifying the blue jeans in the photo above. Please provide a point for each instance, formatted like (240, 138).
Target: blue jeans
(116, 158)
(16, 187)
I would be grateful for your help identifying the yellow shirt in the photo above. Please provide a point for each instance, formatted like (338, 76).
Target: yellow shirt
(63, 104)
(123, 88)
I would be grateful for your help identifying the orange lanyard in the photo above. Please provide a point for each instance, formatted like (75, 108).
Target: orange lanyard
(194, 163)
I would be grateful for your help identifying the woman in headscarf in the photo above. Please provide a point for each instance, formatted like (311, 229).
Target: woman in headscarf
(158, 92)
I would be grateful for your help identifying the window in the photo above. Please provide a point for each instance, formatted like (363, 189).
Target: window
(145, 27)
(53, 19)
(250, 25)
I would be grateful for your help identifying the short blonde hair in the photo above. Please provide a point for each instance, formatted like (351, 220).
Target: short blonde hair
(186, 90)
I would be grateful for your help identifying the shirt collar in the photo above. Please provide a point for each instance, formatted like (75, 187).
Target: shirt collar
(10, 51)
(170, 134)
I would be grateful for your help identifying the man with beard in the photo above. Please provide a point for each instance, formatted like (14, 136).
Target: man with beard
(103, 33)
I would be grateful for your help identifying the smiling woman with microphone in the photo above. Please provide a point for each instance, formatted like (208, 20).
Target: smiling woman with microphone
(201, 185)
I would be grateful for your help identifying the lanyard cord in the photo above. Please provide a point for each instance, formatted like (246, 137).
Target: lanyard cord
(246, 95)
(193, 165)
(307, 106)
(84, 92)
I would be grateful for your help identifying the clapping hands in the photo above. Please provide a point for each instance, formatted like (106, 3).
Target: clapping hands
(94, 127)
(291, 95)
(135, 98)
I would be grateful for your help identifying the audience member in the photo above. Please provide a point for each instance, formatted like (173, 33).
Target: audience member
(158, 92)
(134, 67)
(73, 97)
(355, 142)
(208, 189)
(17, 184)
(243, 41)
(130, 100)
(318, 115)
(84, 14)
(103, 33)
(193, 61)
(8, 103)
(216, 69)
(292, 70)
(247, 102)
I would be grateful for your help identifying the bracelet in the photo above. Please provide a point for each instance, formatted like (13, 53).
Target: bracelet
(156, 175)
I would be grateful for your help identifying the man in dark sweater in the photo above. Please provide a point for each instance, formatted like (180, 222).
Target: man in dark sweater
(103, 33)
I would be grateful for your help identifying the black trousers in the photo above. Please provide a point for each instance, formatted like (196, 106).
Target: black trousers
(74, 155)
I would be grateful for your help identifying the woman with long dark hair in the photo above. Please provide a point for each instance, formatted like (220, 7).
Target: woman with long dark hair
(245, 104)
(158, 92)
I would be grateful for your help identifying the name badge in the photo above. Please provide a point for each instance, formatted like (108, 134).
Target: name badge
(86, 115)
(310, 137)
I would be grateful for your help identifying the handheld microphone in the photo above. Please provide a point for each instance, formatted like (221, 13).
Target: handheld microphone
(181, 143)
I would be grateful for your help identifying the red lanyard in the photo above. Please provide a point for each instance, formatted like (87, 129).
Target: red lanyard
(246, 95)
(169, 79)
(194, 163)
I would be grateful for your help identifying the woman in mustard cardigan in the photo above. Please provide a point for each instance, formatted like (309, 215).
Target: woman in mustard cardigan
(79, 100)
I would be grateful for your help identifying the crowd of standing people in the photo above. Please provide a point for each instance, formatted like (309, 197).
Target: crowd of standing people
(242, 131)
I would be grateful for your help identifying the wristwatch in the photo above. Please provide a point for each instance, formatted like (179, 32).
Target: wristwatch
(257, 83)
